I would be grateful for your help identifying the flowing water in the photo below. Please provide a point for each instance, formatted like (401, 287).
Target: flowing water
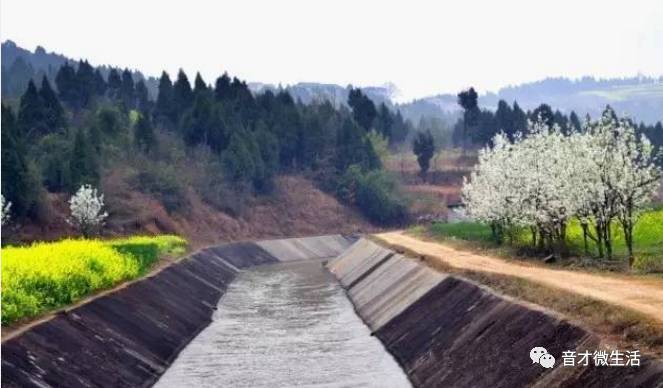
(285, 325)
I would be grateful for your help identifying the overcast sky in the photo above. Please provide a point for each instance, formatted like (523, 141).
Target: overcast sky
(424, 47)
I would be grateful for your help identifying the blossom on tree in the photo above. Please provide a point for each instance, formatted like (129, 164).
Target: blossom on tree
(542, 179)
(87, 210)
(5, 207)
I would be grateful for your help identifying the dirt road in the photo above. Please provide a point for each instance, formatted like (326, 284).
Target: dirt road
(643, 295)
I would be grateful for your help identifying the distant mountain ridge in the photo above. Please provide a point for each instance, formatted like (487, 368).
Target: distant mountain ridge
(638, 97)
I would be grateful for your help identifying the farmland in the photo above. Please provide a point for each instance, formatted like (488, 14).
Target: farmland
(44, 276)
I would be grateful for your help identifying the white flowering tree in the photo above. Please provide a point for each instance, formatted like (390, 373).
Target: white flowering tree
(541, 180)
(5, 207)
(87, 212)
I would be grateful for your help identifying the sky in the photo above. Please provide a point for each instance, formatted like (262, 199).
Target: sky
(423, 47)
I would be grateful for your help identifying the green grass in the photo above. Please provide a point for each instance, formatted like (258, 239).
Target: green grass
(45, 276)
(648, 236)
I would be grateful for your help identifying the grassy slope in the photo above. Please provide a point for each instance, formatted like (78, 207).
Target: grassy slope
(45, 276)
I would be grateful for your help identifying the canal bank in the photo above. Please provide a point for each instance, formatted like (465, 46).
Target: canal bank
(129, 338)
(447, 331)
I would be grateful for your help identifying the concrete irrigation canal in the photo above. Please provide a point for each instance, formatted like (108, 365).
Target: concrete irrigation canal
(324, 311)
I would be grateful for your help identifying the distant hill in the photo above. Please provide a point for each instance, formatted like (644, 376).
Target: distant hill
(638, 97)
(20, 65)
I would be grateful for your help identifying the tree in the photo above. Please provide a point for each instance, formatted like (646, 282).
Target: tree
(66, 82)
(222, 88)
(5, 210)
(85, 85)
(100, 85)
(144, 137)
(469, 101)
(424, 147)
(199, 85)
(127, 91)
(86, 208)
(142, 97)
(20, 182)
(268, 145)
(238, 163)
(165, 106)
(182, 94)
(114, 84)
(363, 109)
(53, 113)
(31, 120)
(83, 168)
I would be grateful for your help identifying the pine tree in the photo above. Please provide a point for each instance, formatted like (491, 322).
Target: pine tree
(238, 163)
(183, 95)
(31, 119)
(99, 83)
(363, 109)
(144, 137)
(53, 112)
(20, 182)
(268, 145)
(85, 85)
(199, 85)
(127, 91)
(165, 107)
(83, 167)
(424, 147)
(222, 88)
(114, 84)
(142, 98)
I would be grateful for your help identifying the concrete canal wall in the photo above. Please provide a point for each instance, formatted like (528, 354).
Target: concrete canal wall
(446, 331)
(128, 338)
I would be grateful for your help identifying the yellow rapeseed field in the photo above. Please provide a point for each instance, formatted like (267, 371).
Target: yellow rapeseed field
(44, 276)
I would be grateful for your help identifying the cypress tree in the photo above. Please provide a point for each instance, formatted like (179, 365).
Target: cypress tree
(183, 95)
(142, 98)
(222, 88)
(85, 84)
(199, 85)
(99, 83)
(31, 119)
(83, 164)
(114, 84)
(20, 182)
(165, 106)
(127, 91)
(53, 112)
(144, 137)
(363, 109)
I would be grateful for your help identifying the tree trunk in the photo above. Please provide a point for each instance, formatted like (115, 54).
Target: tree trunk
(584, 238)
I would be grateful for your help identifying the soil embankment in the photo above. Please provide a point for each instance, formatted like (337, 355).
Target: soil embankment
(447, 331)
(645, 296)
(128, 338)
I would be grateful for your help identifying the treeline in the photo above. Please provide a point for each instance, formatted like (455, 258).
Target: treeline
(477, 127)
(58, 139)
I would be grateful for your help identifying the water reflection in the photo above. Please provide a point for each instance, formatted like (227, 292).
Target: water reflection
(285, 325)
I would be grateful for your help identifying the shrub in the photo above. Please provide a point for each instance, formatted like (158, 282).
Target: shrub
(379, 199)
(162, 182)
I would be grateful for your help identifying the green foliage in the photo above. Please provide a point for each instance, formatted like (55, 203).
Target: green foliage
(375, 193)
(55, 153)
(647, 235)
(238, 162)
(144, 136)
(162, 181)
(363, 109)
(44, 276)
(83, 166)
(20, 180)
(424, 147)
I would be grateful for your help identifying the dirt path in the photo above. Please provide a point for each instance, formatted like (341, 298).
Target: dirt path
(643, 295)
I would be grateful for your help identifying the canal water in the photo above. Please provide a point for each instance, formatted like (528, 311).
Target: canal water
(285, 325)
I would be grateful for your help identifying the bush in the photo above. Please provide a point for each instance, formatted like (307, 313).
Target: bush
(162, 182)
(379, 198)
(375, 193)
(44, 276)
